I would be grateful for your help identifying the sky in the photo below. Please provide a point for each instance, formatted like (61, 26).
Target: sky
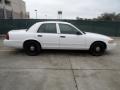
(71, 8)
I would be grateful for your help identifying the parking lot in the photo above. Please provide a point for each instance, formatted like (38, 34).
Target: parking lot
(59, 70)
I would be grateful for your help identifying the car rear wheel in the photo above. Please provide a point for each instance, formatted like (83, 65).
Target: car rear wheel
(32, 48)
(97, 49)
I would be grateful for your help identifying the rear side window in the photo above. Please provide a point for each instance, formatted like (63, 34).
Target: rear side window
(47, 28)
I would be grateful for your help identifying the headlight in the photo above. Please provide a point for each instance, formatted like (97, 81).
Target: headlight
(111, 41)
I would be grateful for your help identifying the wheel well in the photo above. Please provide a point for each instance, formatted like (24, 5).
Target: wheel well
(34, 41)
(99, 42)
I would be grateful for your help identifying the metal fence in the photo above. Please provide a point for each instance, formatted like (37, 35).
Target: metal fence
(110, 28)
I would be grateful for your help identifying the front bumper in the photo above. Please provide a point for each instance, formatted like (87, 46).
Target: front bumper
(111, 46)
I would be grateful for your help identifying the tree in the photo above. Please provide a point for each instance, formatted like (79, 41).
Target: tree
(109, 17)
(78, 18)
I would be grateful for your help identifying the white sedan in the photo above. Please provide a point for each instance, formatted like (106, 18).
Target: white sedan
(57, 35)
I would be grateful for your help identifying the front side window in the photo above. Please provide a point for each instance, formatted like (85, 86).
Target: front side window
(47, 28)
(67, 29)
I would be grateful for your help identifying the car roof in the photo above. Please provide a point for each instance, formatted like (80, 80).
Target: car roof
(53, 22)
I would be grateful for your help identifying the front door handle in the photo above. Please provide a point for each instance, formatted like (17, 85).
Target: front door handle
(63, 36)
(39, 35)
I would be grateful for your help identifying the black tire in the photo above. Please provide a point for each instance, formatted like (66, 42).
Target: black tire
(97, 49)
(32, 48)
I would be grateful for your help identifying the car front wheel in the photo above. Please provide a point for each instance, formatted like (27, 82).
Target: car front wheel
(97, 49)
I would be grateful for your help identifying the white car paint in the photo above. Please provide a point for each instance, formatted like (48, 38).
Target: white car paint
(53, 41)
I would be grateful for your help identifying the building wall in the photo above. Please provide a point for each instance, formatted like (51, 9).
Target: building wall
(1, 13)
(16, 10)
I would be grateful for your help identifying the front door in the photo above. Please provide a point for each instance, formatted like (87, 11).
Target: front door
(70, 37)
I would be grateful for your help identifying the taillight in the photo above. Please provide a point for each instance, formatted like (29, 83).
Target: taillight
(7, 36)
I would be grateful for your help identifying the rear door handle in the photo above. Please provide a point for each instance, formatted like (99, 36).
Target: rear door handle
(39, 35)
(63, 36)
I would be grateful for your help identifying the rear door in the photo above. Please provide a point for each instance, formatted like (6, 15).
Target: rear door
(48, 36)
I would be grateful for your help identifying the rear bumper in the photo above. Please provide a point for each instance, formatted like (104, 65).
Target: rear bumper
(13, 44)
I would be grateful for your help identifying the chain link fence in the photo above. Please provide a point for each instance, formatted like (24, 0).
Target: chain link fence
(110, 28)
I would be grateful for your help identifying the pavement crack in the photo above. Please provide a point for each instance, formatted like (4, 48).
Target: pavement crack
(73, 74)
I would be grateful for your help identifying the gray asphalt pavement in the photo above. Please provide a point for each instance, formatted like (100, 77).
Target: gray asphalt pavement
(59, 70)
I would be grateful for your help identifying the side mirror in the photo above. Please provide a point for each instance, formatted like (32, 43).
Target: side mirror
(84, 32)
(78, 33)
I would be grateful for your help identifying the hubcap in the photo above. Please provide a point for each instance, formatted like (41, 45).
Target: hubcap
(32, 48)
(98, 49)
